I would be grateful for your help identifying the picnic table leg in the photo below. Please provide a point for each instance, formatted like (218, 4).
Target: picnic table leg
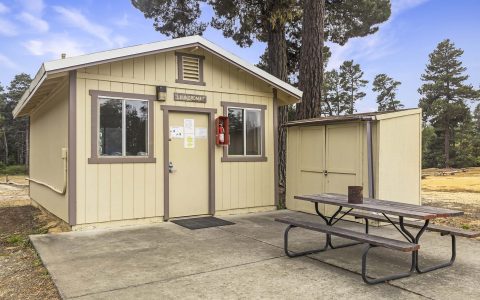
(293, 254)
(439, 266)
(370, 280)
(331, 221)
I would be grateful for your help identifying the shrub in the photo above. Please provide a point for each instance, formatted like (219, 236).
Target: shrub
(14, 170)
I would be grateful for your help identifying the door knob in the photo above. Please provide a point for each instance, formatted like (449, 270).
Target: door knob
(170, 167)
(325, 172)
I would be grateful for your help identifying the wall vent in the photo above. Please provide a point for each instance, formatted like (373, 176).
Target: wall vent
(191, 68)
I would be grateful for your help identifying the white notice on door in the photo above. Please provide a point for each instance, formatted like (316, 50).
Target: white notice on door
(189, 133)
(189, 140)
(176, 132)
(201, 133)
(189, 126)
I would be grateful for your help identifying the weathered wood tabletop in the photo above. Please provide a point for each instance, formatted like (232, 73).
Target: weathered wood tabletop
(384, 206)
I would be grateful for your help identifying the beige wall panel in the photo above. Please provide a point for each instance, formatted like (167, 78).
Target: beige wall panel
(139, 190)
(128, 191)
(116, 193)
(150, 190)
(160, 67)
(399, 159)
(48, 125)
(104, 188)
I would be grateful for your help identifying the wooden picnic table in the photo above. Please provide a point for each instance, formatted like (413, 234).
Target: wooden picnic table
(385, 211)
(384, 206)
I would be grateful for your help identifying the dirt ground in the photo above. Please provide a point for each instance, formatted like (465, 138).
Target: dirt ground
(460, 191)
(22, 275)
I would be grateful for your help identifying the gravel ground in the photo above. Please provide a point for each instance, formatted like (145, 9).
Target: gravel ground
(22, 275)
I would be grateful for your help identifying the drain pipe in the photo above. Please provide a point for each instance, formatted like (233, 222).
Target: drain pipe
(371, 179)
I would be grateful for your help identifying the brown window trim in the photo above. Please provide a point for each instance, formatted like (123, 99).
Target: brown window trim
(247, 158)
(201, 58)
(94, 157)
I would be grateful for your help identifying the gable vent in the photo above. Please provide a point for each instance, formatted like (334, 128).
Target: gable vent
(191, 68)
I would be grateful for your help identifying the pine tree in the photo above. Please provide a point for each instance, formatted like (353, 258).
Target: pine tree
(14, 130)
(335, 99)
(352, 83)
(445, 93)
(386, 87)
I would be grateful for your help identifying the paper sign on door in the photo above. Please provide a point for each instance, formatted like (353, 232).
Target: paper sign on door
(189, 133)
(176, 132)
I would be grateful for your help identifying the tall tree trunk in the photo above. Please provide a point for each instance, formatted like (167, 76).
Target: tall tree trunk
(311, 59)
(447, 147)
(6, 147)
(277, 63)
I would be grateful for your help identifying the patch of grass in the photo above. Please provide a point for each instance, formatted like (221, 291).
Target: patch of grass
(13, 170)
(466, 226)
(17, 240)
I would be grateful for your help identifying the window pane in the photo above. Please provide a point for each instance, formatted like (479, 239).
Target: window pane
(253, 127)
(110, 135)
(136, 117)
(235, 119)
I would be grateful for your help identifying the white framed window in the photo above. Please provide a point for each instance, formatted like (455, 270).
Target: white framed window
(245, 126)
(123, 127)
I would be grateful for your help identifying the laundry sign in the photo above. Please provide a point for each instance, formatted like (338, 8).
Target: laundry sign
(189, 97)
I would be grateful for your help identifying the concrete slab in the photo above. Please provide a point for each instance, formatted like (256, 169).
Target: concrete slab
(244, 260)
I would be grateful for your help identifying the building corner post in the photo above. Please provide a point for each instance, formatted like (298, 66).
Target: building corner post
(72, 146)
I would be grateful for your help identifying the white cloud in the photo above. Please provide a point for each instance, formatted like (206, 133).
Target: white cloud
(123, 21)
(3, 8)
(76, 19)
(35, 22)
(35, 7)
(7, 62)
(374, 46)
(54, 46)
(399, 6)
(7, 28)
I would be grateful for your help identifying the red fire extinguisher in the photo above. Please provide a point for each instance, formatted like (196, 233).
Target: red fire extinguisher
(221, 134)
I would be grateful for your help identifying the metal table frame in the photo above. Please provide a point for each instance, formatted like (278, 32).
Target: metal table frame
(415, 266)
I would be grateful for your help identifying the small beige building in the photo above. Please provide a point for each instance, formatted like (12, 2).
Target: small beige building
(139, 134)
(380, 151)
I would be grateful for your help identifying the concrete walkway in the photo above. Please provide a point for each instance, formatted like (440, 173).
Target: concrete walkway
(244, 260)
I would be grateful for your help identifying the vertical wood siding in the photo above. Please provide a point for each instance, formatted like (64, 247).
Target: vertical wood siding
(109, 192)
(48, 135)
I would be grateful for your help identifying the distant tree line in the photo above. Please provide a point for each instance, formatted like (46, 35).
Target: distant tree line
(13, 132)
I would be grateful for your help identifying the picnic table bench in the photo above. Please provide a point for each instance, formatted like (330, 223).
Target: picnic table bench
(378, 210)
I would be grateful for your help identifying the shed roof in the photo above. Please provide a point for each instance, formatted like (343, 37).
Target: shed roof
(50, 71)
(368, 116)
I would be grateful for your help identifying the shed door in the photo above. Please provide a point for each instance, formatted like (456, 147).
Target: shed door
(311, 164)
(188, 153)
(343, 158)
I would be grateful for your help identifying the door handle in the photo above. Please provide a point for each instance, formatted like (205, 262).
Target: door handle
(325, 172)
(170, 167)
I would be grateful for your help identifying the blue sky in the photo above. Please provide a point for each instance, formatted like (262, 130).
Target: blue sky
(33, 31)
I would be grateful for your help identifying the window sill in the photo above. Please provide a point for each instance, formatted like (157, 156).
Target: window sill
(244, 159)
(121, 160)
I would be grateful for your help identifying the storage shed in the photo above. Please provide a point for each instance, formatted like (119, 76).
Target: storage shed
(380, 151)
(152, 132)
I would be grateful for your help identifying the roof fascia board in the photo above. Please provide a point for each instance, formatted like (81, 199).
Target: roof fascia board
(397, 114)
